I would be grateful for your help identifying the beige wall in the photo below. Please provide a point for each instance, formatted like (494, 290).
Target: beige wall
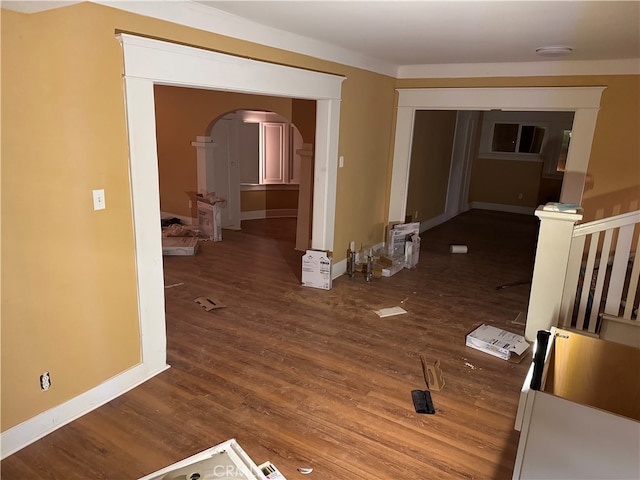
(502, 181)
(303, 116)
(613, 184)
(431, 150)
(269, 200)
(69, 301)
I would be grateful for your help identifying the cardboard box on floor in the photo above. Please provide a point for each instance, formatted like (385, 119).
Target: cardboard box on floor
(317, 269)
(497, 342)
(179, 245)
(403, 240)
(209, 219)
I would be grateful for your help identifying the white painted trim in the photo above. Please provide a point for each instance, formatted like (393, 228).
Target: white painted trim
(433, 222)
(275, 213)
(29, 431)
(245, 187)
(201, 17)
(148, 62)
(627, 66)
(500, 207)
(584, 101)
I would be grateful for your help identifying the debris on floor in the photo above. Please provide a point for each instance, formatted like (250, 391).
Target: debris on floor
(389, 312)
(422, 402)
(499, 343)
(305, 470)
(270, 471)
(432, 374)
(208, 304)
(458, 249)
(174, 285)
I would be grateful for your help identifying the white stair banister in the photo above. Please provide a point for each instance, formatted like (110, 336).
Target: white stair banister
(547, 284)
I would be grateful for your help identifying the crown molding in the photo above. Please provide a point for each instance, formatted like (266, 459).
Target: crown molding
(196, 15)
(630, 66)
(201, 17)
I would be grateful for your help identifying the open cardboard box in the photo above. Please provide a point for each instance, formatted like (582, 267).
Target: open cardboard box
(499, 343)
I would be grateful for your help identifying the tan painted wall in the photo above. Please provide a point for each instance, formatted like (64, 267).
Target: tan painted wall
(269, 200)
(181, 115)
(613, 184)
(303, 116)
(501, 181)
(69, 301)
(430, 163)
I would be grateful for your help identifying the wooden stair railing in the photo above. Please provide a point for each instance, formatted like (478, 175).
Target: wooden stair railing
(602, 274)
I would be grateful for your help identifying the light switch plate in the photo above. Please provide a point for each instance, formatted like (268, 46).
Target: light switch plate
(98, 200)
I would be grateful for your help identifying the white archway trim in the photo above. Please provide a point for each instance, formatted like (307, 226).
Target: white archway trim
(148, 62)
(584, 101)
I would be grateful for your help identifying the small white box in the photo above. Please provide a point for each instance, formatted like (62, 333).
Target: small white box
(179, 245)
(497, 342)
(316, 269)
(209, 220)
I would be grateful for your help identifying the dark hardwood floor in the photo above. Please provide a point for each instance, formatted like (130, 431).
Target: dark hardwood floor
(313, 378)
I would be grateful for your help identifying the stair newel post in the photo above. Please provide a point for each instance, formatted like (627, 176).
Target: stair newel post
(550, 268)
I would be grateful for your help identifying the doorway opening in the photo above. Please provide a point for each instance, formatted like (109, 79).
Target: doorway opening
(149, 62)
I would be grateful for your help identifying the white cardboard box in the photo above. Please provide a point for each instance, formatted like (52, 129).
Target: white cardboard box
(497, 342)
(179, 245)
(209, 220)
(316, 269)
(226, 460)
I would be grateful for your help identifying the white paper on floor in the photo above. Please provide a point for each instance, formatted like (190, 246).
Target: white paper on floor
(388, 312)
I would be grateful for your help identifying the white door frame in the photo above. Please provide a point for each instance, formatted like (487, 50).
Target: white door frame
(148, 62)
(461, 162)
(584, 101)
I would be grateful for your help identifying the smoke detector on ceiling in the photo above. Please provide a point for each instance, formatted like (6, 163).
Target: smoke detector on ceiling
(554, 51)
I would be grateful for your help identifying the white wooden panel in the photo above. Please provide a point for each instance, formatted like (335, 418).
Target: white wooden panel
(571, 281)
(633, 288)
(249, 153)
(274, 158)
(586, 281)
(619, 270)
(565, 440)
(602, 273)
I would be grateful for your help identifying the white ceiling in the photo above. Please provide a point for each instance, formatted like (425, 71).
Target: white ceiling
(403, 37)
(437, 32)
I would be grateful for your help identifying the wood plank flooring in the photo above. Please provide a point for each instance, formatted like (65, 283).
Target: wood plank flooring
(312, 378)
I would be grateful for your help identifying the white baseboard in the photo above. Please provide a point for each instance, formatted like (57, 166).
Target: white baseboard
(259, 214)
(183, 219)
(499, 207)
(433, 222)
(41, 425)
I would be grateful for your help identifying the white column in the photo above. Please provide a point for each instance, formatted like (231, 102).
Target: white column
(550, 268)
(204, 149)
(305, 197)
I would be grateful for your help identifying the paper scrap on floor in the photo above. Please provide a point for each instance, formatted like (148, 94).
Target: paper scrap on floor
(389, 312)
(270, 471)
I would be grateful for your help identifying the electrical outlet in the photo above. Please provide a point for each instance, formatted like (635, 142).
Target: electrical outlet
(415, 215)
(190, 204)
(520, 196)
(45, 381)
